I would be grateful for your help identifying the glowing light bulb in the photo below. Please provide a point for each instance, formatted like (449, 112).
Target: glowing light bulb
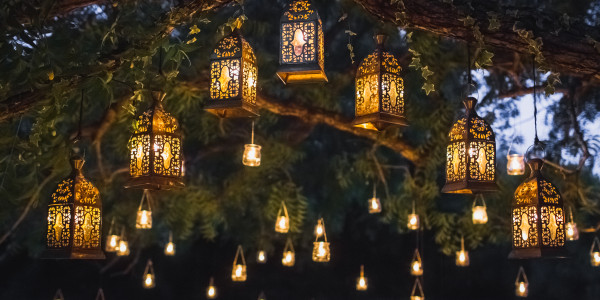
(461, 256)
(522, 287)
(288, 257)
(374, 205)
(211, 292)
(413, 222)
(524, 235)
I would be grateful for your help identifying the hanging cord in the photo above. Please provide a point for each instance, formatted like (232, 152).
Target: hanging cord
(469, 79)
(537, 140)
(78, 137)
(12, 150)
(252, 140)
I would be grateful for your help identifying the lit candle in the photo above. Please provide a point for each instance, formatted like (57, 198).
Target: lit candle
(148, 282)
(480, 214)
(595, 258)
(170, 249)
(261, 257)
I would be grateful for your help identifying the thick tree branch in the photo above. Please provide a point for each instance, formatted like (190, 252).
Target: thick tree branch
(526, 91)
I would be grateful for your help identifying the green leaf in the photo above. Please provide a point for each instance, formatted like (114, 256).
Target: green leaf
(484, 59)
(494, 22)
(415, 63)
(468, 21)
(425, 72)
(428, 87)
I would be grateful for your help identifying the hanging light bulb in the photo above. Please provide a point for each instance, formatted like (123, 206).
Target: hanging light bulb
(239, 267)
(289, 255)
(144, 216)
(261, 257)
(479, 211)
(462, 256)
(595, 253)
(112, 240)
(416, 266)
(149, 276)
(374, 203)
(321, 252)
(211, 291)
(521, 284)
(417, 291)
(361, 282)
(170, 246)
(251, 155)
(58, 295)
(282, 224)
(571, 228)
(123, 249)
(413, 219)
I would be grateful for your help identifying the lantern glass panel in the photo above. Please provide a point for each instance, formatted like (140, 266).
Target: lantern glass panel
(515, 164)
(148, 276)
(289, 258)
(112, 243)
(144, 219)
(123, 248)
(170, 249)
(239, 273)
(251, 155)
(480, 214)
(522, 289)
(462, 258)
(321, 252)
(261, 257)
(595, 258)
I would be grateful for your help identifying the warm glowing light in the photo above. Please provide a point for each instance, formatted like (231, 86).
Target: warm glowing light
(413, 221)
(595, 258)
(416, 268)
(289, 258)
(319, 230)
(251, 155)
(480, 215)
(261, 257)
(112, 244)
(238, 273)
(522, 289)
(282, 224)
(571, 228)
(374, 206)
(123, 248)
(170, 249)
(361, 282)
(144, 219)
(515, 164)
(238, 270)
(321, 251)
(149, 281)
(211, 292)
(462, 258)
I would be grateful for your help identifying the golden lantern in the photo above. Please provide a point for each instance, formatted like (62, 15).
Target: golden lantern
(416, 266)
(538, 219)
(462, 256)
(58, 295)
(170, 246)
(321, 251)
(413, 219)
(238, 273)
(361, 282)
(374, 203)
(571, 228)
(148, 276)
(282, 224)
(417, 291)
(521, 284)
(123, 249)
(100, 295)
(156, 159)
(74, 223)
(211, 291)
(595, 253)
(379, 91)
(289, 255)
(251, 155)
(301, 54)
(479, 211)
(112, 240)
(471, 154)
(261, 256)
(144, 216)
(515, 164)
(233, 76)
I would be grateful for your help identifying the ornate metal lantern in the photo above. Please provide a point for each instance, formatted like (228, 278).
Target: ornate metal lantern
(361, 282)
(301, 54)
(289, 255)
(416, 266)
(144, 214)
(479, 211)
(233, 76)
(74, 229)
(471, 155)
(321, 251)
(595, 253)
(379, 91)
(374, 203)
(156, 159)
(211, 291)
(170, 246)
(282, 224)
(538, 218)
(417, 291)
(149, 281)
(521, 284)
(238, 273)
(571, 228)
(462, 256)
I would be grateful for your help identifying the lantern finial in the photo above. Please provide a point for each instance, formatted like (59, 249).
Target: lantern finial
(380, 39)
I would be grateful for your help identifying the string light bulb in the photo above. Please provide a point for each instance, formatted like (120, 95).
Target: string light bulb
(521, 284)
(289, 255)
(321, 251)
(480, 215)
(595, 253)
(211, 291)
(251, 157)
(361, 282)
(462, 256)
(282, 224)
(144, 215)
(413, 219)
(416, 265)
(170, 246)
(374, 203)
(571, 228)
(149, 281)
(238, 273)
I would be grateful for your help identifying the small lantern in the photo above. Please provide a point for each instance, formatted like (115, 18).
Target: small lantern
(261, 257)
(156, 160)
(361, 282)
(144, 215)
(233, 76)
(417, 291)
(521, 284)
(321, 251)
(58, 295)
(239, 267)
(538, 219)
(379, 91)
(416, 266)
(149, 276)
(123, 249)
(301, 54)
(112, 240)
(262, 296)
(571, 228)
(251, 155)
(413, 219)
(100, 295)
(471, 155)
(595, 253)
(74, 222)
(170, 246)
(211, 291)
(462, 256)
(374, 203)
(479, 211)
(282, 225)
(289, 255)
(515, 164)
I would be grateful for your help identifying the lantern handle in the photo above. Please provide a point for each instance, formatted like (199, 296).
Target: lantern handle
(149, 267)
(239, 253)
(112, 224)
(289, 246)
(462, 243)
(145, 195)
(170, 236)
(417, 256)
(595, 244)
(362, 270)
(100, 295)
(479, 196)
(521, 274)
(417, 283)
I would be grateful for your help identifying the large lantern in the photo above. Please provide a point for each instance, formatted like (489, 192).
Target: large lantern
(301, 54)
(471, 155)
(233, 76)
(538, 218)
(156, 159)
(74, 218)
(379, 91)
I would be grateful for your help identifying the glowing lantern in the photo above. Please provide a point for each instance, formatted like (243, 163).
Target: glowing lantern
(521, 284)
(595, 253)
(123, 249)
(379, 91)
(58, 295)
(211, 291)
(319, 229)
(112, 240)
(462, 256)
(361, 282)
(321, 252)
(149, 276)
(74, 222)
(282, 224)
(144, 216)
(471, 155)
(413, 219)
(417, 291)
(156, 160)
(289, 255)
(100, 295)
(416, 266)
(261, 257)
(239, 267)
(170, 246)
(233, 76)
(479, 211)
(515, 164)
(301, 55)
(251, 155)
(374, 203)
(538, 219)
(571, 228)
(262, 296)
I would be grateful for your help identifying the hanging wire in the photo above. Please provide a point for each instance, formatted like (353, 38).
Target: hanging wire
(536, 141)
(469, 79)
(252, 141)
(12, 150)
(78, 137)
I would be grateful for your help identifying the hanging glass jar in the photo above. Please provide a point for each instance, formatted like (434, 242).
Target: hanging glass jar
(479, 211)
(515, 164)
(261, 256)
(521, 284)
(571, 228)
(595, 253)
(112, 240)
(123, 249)
(413, 219)
(211, 291)
(251, 156)
(144, 214)
(149, 276)
(374, 203)
(170, 246)
(289, 255)
(361, 282)
(239, 266)
(462, 256)
(282, 224)
(321, 251)
(417, 291)
(416, 266)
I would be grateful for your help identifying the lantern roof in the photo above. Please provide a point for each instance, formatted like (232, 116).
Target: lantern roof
(300, 10)
(233, 46)
(536, 189)
(380, 60)
(75, 187)
(471, 126)
(156, 119)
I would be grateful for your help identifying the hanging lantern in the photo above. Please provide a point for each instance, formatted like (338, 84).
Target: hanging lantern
(462, 256)
(479, 211)
(374, 203)
(251, 155)
(321, 252)
(58, 295)
(416, 266)
(144, 216)
(521, 284)
(233, 76)
(595, 253)
(170, 246)
(361, 282)
(571, 228)
(538, 220)
(301, 54)
(289, 255)
(239, 266)
(211, 291)
(282, 225)
(156, 160)
(112, 240)
(471, 155)
(262, 296)
(74, 229)
(123, 249)
(515, 164)
(417, 291)
(100, 295)
(261, 257)
(413, 219)
(379, 91)
(149, 276)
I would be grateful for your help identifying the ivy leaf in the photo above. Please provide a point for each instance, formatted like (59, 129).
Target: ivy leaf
(484, 59)
(468, 21)
(551, 82)
(494, 22)
(425, 72)
(415, 63)
(350, 32)
(428, 87)
(194, 30)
